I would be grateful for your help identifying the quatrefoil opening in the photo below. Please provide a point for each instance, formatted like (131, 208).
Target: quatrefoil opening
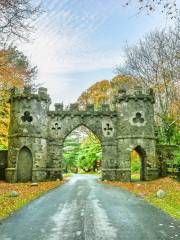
(27, 117)
(138, 118)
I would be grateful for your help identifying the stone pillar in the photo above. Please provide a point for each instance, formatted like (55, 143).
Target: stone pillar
(55, 158)
(109, 159)
(136, 129)
(28, 128)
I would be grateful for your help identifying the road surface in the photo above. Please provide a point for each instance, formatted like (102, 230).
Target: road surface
(83, 209)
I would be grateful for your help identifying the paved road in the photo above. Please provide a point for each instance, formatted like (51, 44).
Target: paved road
(83, 209)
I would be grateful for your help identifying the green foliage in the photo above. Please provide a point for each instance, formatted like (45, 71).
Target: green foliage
(3, 147)
(83, 155)
(169, 132)
(135, 165)
(71, 150)
(174, 165)
(90, 152)
(177, 159)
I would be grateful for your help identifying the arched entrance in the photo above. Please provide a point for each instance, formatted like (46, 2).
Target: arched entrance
(82, 151)
(24, 165)
(138, 161)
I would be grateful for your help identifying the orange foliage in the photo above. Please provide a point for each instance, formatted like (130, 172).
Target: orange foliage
(134, 154)
(97, 94)
(26, 193)
(12, 73)
(102, 91)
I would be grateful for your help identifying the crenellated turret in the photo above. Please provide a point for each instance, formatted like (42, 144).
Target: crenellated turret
(135, 111)
(27, 151)
(135, 131)
(29, 112)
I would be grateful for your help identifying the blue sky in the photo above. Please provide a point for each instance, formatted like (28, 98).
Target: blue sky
(80, 42)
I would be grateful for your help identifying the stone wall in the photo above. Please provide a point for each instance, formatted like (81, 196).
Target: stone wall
(3, 163)
(166, 156)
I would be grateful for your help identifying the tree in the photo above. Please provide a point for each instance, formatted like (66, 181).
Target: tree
(167, 7)
(154, 62)
(81, 152)
(97, 94)
(89, 153)
(70, 154)
(16, 17)
(102, 92)
(15, 71)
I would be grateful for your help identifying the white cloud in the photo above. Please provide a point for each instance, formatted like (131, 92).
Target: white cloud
(63, 37)
(65, 41)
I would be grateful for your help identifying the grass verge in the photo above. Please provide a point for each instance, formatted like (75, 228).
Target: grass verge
(92, 173)
(26, 193)
(170, 203)
(66, 175)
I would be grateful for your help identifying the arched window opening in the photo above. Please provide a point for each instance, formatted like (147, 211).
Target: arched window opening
(82, 152)
(138, 164)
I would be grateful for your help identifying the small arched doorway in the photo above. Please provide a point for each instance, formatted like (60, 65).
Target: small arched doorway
(138, 159)
(24, 165)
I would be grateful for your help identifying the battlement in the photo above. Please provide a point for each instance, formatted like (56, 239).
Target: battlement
(75, 110)
(136, 93)
(29, 94)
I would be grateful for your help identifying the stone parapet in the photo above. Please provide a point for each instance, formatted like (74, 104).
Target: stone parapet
(28, 94)
(137, 93)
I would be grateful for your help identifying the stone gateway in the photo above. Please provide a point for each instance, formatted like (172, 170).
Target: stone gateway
(37, 134)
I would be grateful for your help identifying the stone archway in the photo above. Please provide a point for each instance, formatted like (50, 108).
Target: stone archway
(142, 158)
(82, 151)
(24, 165)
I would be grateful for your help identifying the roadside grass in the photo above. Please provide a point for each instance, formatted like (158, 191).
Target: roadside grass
(170, 203)
(135, 177)
(92, 173)
(67, 175)
(26, 193)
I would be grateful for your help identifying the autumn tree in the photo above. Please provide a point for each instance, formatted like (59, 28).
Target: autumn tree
(15, 70)
(154, 61)
(16, 17)
(97, 94)
(103, 91)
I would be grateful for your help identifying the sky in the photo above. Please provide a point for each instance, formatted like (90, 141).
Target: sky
(79, 42)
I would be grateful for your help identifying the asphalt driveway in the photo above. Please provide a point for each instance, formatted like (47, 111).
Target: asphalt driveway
(84, 209)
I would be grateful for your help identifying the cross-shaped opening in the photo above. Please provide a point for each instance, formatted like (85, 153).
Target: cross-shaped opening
(56, 127)
(108, 129)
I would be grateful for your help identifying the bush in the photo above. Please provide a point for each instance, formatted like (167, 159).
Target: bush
(135, 165)
(3, 147)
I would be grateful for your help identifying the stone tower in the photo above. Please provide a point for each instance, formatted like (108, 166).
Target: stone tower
(135, 131)
(27, 152)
